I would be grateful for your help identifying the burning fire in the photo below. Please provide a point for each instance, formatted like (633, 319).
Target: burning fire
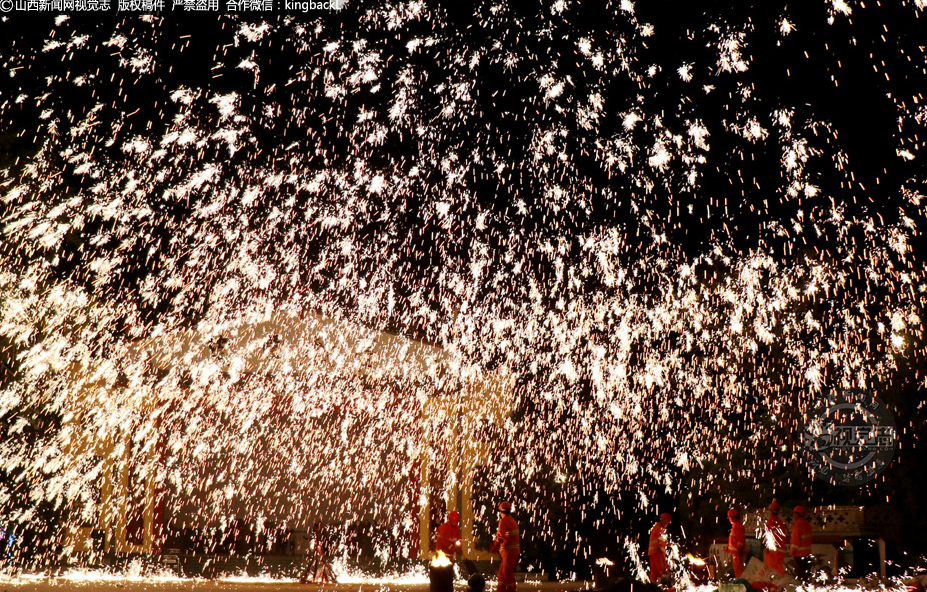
(440, 560)
(604, 561)
(695, 560)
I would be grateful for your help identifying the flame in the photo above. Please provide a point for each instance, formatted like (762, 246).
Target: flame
(440, 560)
(604, 561)
(695, 560)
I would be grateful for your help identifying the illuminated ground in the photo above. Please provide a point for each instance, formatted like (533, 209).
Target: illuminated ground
(259, 585)
(243, 585)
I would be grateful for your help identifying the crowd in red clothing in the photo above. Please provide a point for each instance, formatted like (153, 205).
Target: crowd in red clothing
(774, 543)
(507, 543)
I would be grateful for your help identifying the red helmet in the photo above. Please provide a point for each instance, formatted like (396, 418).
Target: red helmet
(774, 506)
(799, 510)
(664, 517)
(505, 507)
(454, 517)
(733, 513)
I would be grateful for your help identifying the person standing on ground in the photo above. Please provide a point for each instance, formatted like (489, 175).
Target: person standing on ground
(508, 544)
(657, 548)
(801, 543)
(447, 540)
(736, 542)
(319, 547)
(775, 538)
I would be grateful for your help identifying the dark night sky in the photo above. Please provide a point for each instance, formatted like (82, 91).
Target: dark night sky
(858, 76)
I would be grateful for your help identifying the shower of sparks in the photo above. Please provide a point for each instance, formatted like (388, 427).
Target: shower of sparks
(136, 573)
(199, 267)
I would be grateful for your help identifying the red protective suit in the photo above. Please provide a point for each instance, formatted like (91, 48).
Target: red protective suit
(801, 538)
(509, 544)
(657, 551)
(736, 545)
(801, 546)
(448, 539)
(774, 543)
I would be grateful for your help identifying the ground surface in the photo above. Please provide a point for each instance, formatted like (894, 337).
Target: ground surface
(249, 585)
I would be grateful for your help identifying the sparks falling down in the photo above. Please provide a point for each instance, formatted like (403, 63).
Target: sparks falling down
(309, 270)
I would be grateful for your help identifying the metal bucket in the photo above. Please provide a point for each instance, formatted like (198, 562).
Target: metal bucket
(603, 575)
(442, 578)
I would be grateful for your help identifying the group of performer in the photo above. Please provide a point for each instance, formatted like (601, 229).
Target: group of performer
(507, 543)
(774, 543)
